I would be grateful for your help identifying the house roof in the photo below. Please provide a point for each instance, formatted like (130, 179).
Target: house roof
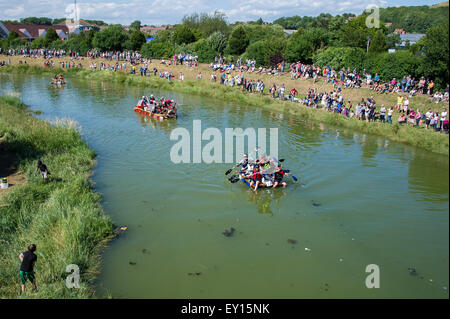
(152, 30)
(33, 31)
(72, 21)
(412, 37)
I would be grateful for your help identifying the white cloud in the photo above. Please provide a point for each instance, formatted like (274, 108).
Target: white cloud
(172, 11)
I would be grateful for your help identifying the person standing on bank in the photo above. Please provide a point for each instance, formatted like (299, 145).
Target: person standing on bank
(28, 259)
(43, 169)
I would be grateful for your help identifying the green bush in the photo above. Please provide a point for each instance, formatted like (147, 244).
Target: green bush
(111, 38)
(393, 65)
(238, 41)
(157, 49)
(338, 58)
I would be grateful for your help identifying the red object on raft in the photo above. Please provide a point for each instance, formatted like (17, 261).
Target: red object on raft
(149, 113)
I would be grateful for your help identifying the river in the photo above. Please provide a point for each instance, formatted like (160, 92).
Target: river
(359, 200)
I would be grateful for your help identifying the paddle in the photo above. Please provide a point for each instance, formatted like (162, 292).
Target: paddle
(293, 177)
(234, 179)
(229, 171)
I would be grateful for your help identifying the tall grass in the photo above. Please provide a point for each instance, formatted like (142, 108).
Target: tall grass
(426, 139)
(62, 217)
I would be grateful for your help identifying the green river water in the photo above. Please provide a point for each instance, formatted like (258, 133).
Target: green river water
(377, 202)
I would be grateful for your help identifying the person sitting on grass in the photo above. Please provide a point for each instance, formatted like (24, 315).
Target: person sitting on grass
(402, 118)
(43, 169)
(28, 260)
(412, 117)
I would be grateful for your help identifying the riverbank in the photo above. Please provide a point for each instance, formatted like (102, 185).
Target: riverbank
(426, 139)
(62, 217)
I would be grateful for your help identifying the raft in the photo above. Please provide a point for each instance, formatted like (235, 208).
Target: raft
(59, 82)
(157, 116)
(247, 182)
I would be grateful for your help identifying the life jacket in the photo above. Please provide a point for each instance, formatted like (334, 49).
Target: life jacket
(279, 175)
(256, 175)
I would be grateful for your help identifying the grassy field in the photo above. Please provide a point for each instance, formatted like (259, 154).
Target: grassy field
(62, 217)
(302, 85)
(419, 137)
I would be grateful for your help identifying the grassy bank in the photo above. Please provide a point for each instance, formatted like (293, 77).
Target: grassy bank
(426, 139)
(62, 217)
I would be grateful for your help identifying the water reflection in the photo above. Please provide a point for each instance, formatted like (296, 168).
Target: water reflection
(165, 125)
(266, 199)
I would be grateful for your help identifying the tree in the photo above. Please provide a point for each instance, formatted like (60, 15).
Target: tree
(135, 26)
(183, 35)
(257, 51)
(204, 50)
(207, 23)
(111, 38)
(39, 43)
(12, 35)
(354, 33)
(378, 43)
(339, 58)
(436, 50)
(137, 39)
(218, 42)
(157, 49)
(51, 36)
(35, 20)
(238, 40)
(303, 44)
(392, 40)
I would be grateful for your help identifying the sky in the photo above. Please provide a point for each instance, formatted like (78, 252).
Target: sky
(161, 12)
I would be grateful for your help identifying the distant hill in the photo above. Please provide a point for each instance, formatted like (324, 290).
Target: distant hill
(412, 19)
(442, 4)
(415, 19)
(49, 21)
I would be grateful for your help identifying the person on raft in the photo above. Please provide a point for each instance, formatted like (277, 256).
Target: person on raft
(278, 177)
(256, 178)
(243, 163)
(143, 103)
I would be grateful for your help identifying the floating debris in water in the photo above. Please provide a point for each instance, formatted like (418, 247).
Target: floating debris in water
(307, 249)
(123, 228)
(267, 244)
(291, 241)
(326, 286)
(144, 250)
(228, 233)
(194, 273)
(237, 219)
(340, 259)
(132, 263)
(315, 204)
(412, 271)
(445, 288)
